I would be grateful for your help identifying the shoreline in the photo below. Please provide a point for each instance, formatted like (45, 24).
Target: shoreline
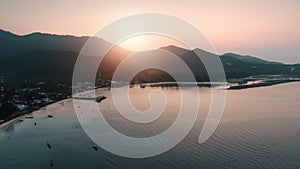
(15, 117)
(265, 83)
(9, 120)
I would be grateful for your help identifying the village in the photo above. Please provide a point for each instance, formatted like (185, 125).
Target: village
(20, 100)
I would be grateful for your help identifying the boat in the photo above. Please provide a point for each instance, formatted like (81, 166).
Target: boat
(100, 98)
(50, 116)
(142, 86)
(28, 117)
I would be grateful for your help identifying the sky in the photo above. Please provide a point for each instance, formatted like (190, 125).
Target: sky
(266, 29)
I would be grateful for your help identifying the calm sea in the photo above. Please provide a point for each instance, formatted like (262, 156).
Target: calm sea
(259, 129)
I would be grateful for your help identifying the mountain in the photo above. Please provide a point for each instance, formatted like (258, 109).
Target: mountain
(39, 56)
(249, 59)
(13, 44)
(39, 64)
(174, 49)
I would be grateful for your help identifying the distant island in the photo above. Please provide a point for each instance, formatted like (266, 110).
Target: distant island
(36, 69)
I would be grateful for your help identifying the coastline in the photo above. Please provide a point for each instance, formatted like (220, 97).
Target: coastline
(15, 117)
(9, 120)
(263, 83)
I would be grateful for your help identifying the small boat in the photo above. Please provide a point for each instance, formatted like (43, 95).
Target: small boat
(100, 98)
(142, 86)
(95, 148)
(50, 116)
(20, 120)
(28, 117)
(49, 146)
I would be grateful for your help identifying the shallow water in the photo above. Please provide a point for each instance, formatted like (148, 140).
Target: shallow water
(260, 129)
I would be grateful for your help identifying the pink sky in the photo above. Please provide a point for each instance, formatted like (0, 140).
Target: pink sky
(270, 30)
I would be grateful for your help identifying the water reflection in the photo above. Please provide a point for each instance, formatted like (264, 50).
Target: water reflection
(260, 129)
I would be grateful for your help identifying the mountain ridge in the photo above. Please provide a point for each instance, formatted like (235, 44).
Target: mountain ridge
(33, 52)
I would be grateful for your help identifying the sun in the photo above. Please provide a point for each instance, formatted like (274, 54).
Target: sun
(133, 43)
(149, 41)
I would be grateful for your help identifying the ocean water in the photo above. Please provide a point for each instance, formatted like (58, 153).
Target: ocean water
(259, 129)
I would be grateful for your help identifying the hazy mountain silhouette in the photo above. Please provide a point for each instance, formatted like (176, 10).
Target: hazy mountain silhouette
(175, 49)
(13, 44)
(39, 56)
(250, 59)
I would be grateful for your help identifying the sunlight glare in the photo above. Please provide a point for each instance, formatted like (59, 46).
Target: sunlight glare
(146, 42)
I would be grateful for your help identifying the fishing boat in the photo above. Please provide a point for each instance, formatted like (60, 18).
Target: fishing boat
(100, 98)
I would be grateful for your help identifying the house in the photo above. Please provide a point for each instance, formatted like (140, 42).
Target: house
(20, 107)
